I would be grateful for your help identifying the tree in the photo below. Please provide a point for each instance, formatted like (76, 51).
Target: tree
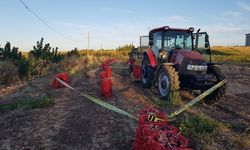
(13, 55)
(125, 48)
(40, 50)
(44, 56)
(73, 52)
(56, 57)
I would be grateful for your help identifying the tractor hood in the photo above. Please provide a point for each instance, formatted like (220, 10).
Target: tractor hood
(190, 57)
(189, 62)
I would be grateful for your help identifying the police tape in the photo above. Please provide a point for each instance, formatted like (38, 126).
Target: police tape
(154, 118)
(98, 101)
(150, 117)
(197, 99)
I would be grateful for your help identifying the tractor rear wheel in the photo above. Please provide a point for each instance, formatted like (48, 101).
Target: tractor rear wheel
(215, 96)
(147, 75)
(167, 82)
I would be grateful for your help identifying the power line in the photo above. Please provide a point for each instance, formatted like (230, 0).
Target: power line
(43, 21)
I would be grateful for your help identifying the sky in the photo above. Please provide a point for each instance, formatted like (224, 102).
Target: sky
(111, 23)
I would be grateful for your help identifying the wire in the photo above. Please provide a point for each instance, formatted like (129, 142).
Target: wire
(44, 22)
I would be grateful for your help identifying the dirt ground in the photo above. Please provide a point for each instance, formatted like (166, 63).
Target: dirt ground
(74, 122)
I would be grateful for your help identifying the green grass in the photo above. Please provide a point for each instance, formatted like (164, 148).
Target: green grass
(199, 126)
(175, 99)
(31, 103)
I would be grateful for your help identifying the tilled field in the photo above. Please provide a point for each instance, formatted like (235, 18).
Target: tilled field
(74, 122)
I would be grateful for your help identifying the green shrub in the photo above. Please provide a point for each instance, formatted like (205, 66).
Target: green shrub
(23, 68)
(73, 52)
(199, 125)
(13, 55)
(8, 73)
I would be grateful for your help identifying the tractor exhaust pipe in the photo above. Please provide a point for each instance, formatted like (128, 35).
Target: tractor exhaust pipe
(197, 39)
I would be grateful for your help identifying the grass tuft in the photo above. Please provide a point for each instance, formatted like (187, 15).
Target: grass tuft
(175, 99)
(28, 104)
(199, 126)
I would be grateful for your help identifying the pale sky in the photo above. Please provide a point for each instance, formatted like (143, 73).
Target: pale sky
(116, 22)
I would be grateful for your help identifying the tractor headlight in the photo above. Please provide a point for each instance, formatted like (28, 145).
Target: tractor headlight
(196, 68)
(163, 54)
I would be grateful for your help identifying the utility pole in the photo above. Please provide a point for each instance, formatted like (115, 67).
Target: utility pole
(88, 40)
(88, 44)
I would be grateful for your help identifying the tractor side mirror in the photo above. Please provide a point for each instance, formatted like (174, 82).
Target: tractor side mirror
(207, 45)
(206, 38)
(150, 43)
(206, 41)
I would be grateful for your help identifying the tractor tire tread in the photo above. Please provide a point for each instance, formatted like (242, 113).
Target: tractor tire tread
(173, 79)
(218, 94)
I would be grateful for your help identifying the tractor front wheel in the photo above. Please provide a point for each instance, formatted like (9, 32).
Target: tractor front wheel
(167, 82)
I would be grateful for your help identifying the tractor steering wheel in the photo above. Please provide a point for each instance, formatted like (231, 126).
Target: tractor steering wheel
(178, 47)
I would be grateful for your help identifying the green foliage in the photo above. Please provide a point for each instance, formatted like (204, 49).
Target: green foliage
(42, 56)
(33, 69)
(73, 52)
(8, 72)
(175, 99)
(10, 54)
(44, 52)
(56, 57)
(199, 126)
(40, 51)
(14, 56)
(28, 104)
(125, 48)
(23, 68)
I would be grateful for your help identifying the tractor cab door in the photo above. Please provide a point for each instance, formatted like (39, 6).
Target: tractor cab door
(202, 45)
(157, 43)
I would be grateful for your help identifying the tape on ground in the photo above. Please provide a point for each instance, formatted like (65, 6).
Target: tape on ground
(98, 101)
(120, 111)
(197, 99)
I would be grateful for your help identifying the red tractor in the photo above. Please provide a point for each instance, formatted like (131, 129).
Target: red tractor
(177, 59)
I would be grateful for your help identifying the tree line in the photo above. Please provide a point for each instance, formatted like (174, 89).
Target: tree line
(14, 66)
(42, 58)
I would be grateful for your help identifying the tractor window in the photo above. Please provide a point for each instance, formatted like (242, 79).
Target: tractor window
(178, 40)
(157, 36)
(144, 41)
(203, 46)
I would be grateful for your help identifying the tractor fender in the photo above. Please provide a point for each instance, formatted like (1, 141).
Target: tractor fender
(151, 57)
